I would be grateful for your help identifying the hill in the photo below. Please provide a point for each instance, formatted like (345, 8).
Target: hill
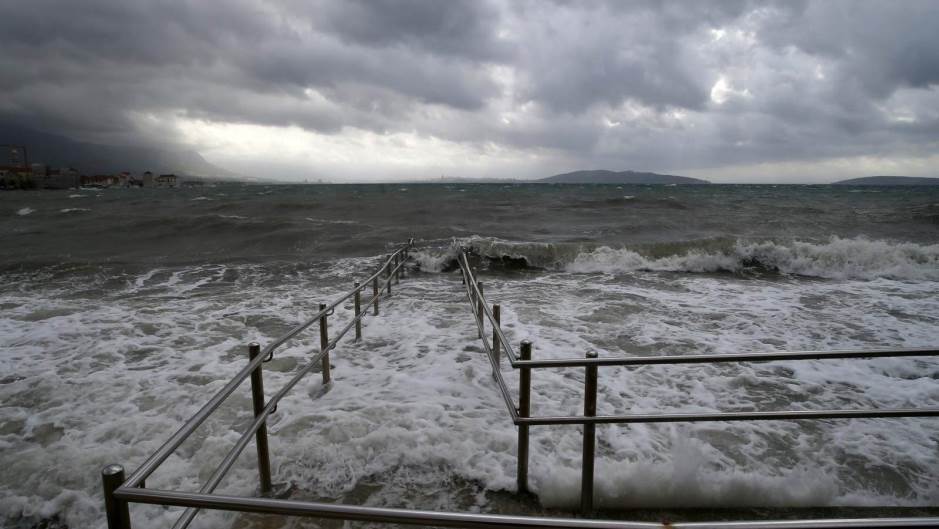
(91, 158)
(622, 177)
(889, 181)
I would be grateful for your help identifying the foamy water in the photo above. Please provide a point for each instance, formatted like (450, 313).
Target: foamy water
(103, 369)
(119, 327)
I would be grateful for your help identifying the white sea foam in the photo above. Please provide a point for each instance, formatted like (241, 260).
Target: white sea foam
(433, 260)
(413, 410)
(73, 210)
(331, 221)
(838, 258)
(24, 211)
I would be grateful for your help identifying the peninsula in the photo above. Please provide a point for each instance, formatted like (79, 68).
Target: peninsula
(889, 181)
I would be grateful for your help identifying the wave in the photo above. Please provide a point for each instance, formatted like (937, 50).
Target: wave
(857, 258)
(836, 258)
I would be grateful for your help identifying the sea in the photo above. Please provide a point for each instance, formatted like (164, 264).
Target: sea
(122, 311)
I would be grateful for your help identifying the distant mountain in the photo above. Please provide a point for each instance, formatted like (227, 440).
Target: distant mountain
(622, 177)
(889, 181)
(91, 158)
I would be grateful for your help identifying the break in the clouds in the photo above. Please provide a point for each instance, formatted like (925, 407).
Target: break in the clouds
(737, 91)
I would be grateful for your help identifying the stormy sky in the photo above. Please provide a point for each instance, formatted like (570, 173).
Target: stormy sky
(368, 90)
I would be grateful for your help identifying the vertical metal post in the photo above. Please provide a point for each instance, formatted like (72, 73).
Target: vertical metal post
(375, 294)
(260, 437)
(397, 268)
(473, 274)
(480, 311)
(112, 477)
(404, 260)
(496, 350)
(524, 410)
(388, 275)
(358, 310)
(324, 343)
(590, 437)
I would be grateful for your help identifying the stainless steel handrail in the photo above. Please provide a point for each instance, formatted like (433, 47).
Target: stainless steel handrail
(392, 266)
(730, 416)
(589, 419)
(725, 358)
(260, 419)
(475, 520)
(186, 518)
(473, 290)
(158, 457)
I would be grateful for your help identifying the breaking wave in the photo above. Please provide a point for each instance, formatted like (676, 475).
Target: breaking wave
(836, 258)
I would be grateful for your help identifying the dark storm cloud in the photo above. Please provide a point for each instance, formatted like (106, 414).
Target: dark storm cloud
(461, 28)
(653, 85)
(580, 54)
(881, 45)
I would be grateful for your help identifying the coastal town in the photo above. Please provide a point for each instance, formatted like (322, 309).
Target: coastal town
(17, 172)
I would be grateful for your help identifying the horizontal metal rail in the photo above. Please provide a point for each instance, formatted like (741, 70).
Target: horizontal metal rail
(186, 518)
(725, 358)
(590, 363)
(497, 373)
(162, 453)
(472, 520)
(473, 293)
(788, 415)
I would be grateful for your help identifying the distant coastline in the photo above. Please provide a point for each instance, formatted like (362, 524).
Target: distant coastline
(888, 181)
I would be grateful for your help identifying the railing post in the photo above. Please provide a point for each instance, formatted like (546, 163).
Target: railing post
(375, 294)
(388, 275)
(404, 260)
(480, 311)
(324, 343)
(260, 437)
(473, 274)
(590, 437)
(112, 477)
(358, 310)
(524, 410)
(496, 350)
(397, 269)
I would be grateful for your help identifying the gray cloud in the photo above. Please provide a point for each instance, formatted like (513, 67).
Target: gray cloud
(646, 85)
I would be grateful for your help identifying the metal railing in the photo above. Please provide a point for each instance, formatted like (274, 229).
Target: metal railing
(521, 415)
(120, 492)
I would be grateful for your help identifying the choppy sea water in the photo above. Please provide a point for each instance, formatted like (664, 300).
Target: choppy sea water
(123, 311)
